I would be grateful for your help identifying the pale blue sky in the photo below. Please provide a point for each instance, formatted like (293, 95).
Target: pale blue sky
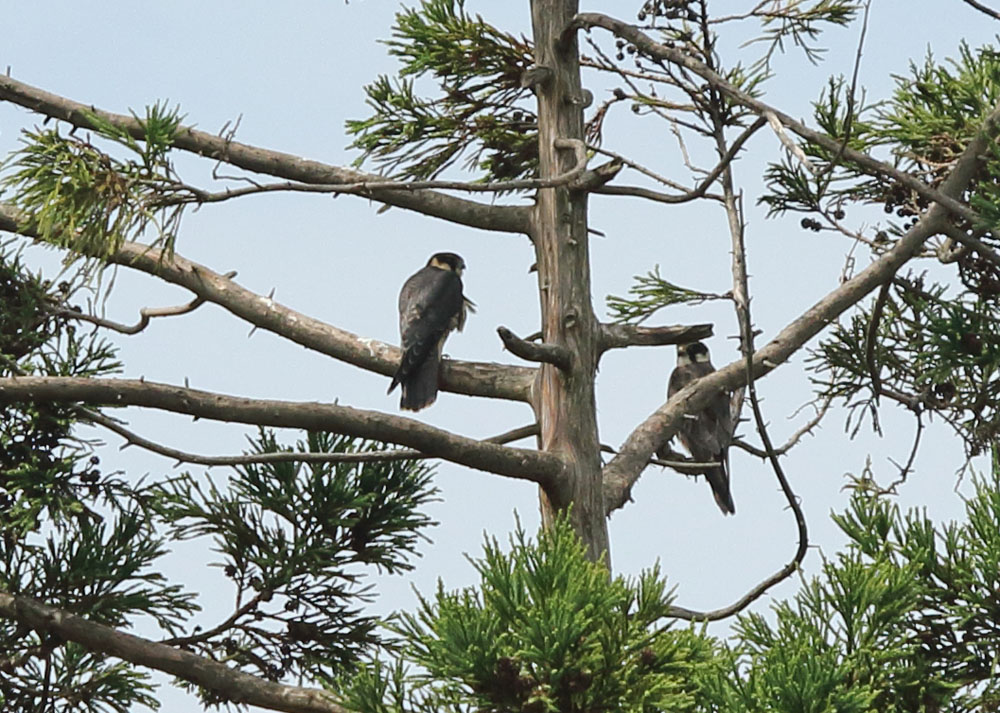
(293, 72)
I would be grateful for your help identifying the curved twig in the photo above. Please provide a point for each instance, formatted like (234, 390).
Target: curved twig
(145, 314)
(746, 337)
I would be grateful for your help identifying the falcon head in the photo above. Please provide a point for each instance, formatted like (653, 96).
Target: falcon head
(692, 353)
(447, 261)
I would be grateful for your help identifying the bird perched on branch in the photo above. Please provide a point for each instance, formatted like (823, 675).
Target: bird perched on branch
(431, 306)
(706, 435)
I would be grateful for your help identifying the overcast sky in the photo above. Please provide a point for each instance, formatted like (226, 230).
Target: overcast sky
(293, 73)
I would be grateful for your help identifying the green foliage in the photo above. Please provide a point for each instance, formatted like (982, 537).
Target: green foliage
(932, 115)
(802, 23)
(81, 198)
(54, 544)
(651, 293)
(545, 630)
(904, 620)
(479, 112)
(939, 350)
(294, 540)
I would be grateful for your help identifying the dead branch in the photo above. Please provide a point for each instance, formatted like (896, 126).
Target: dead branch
(145, 314)
(471, 378)
(807, 427)
(517, 463)
(134, 439)
(231, 685)
(503, 218)
(618, 336)
(197, 195)
(983, 9)
(536, 351)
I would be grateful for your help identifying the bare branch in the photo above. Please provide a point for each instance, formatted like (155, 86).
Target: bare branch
(534, 351)
(983, 9)
(518, 463)
(233, 686)
(145, 314)
(197, 195)
(807, 427)
(618, 336)
(471, 378)
(134, 439)
(503, 218)
(623, 470)
(654, 49)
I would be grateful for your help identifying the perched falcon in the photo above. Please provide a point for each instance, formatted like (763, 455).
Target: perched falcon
(431, 306)
(705, 435)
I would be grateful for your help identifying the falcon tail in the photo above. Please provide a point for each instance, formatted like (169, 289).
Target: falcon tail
(719, 481)
(420, 386)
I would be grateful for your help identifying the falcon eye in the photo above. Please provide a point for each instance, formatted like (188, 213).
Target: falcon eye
(697, 349)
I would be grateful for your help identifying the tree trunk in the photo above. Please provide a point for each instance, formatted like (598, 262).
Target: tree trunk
(564, 399)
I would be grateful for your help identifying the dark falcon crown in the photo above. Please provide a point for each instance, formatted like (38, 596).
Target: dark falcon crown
(447, 261)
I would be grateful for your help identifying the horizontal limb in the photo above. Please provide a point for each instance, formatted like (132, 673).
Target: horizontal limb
(517, 463)
(503, 218)
(134, 439)
(470, 378)
(233, 686)
(618, 336)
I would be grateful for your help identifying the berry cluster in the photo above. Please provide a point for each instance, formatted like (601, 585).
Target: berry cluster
(668, 10)
(979, 275)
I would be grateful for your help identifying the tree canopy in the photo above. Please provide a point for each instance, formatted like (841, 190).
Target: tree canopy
(511, 132)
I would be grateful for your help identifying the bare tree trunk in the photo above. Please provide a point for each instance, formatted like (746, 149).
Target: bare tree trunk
(564, 399)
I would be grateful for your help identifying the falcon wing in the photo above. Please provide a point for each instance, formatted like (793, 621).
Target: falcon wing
(430, 304)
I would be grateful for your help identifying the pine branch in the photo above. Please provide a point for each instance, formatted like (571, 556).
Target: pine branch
(510, 219)
(233, 686)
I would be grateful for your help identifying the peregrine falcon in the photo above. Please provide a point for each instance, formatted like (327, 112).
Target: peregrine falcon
(705, 435)
(431, 306)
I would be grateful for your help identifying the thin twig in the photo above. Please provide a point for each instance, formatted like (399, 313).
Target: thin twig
(395, 454)
(982, 8)
(145, 314)
(197, 195)
(224, 626)
(793, 440)
(737, 225)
